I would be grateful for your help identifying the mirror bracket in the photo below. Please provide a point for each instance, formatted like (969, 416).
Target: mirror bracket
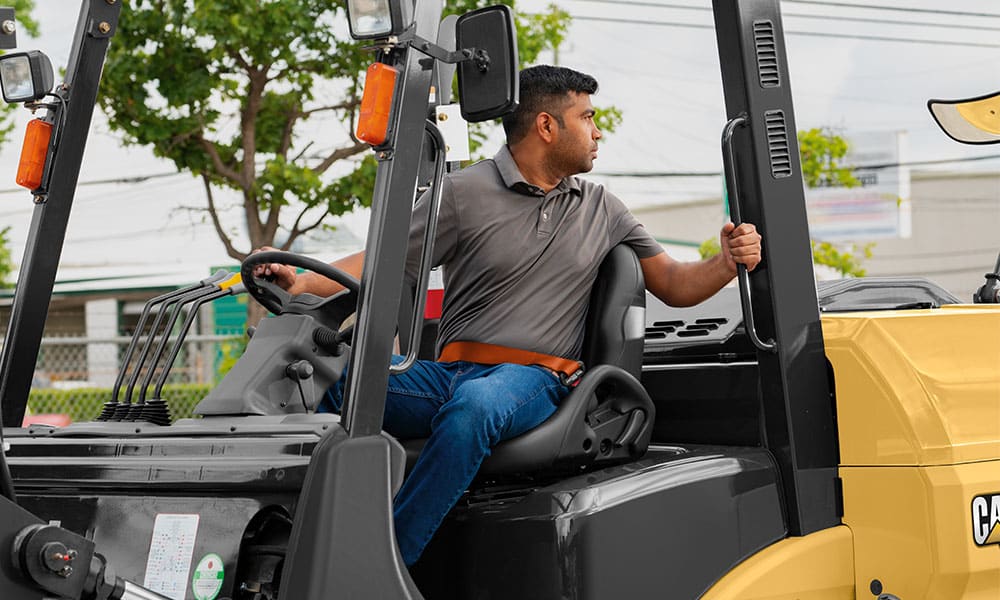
(478, 55)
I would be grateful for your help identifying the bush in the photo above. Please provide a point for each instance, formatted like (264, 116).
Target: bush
(85, 404)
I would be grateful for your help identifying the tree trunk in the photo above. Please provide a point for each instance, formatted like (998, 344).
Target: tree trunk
(255, 312)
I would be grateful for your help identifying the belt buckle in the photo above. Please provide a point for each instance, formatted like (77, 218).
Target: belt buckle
(574, 379)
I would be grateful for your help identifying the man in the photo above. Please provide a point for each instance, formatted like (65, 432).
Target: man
(521, 240)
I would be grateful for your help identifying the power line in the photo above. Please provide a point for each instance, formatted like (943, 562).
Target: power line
(641, 3)
(129, 179)
(649, 4)
(932, 11)
(875, 38)
(871, 167)
(937, 11)
(922, 163)
(940, 254)
(890, 22)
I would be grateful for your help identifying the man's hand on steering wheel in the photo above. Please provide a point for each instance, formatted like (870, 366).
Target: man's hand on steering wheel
(282, 275)
(274, 294)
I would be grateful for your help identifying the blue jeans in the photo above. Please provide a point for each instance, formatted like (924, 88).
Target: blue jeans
(464, 409)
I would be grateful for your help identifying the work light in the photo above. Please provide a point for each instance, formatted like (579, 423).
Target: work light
(25, 76)
(371, 19)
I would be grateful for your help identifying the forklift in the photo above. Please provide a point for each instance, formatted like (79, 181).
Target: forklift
(780, 440)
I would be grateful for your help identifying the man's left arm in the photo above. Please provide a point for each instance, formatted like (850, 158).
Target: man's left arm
(688, 283)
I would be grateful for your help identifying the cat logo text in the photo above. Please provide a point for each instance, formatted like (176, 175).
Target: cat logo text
(986, 519)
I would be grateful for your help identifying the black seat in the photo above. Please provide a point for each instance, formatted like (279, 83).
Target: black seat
(609, 416)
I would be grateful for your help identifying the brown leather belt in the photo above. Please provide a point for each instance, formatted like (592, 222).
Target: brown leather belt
(569, 371)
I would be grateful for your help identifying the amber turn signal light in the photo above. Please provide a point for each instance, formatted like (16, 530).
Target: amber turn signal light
(376, 104)
(33, 152)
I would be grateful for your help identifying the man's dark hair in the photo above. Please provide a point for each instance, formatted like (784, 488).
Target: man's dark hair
(544, 89)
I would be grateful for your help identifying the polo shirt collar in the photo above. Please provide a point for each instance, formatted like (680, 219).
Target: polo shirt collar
(513, 179)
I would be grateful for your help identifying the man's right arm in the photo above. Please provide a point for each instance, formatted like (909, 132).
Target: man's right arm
(309, 282)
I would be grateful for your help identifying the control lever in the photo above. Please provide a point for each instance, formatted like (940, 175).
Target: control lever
(632, 428)
(330, 340)
(111, 408)
(231, 287)
(301, 371)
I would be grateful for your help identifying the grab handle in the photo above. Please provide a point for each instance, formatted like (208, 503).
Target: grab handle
(743, 278)
(426, 255)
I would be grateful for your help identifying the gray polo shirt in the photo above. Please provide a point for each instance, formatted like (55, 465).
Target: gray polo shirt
(518, 263)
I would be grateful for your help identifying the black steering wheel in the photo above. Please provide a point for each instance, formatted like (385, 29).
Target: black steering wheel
(270, 295)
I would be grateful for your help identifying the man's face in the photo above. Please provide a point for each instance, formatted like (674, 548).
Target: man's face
(575, 148)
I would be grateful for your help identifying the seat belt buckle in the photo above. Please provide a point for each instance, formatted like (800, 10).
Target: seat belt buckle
(574, 379)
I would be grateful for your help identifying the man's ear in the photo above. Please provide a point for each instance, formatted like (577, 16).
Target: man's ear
(546, 126)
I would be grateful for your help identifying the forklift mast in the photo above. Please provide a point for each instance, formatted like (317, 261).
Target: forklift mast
(395, 187)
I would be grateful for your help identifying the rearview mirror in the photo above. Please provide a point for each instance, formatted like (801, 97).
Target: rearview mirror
(970, 121)
(487, 82)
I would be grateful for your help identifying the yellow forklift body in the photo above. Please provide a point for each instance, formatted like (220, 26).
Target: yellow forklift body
(918, 409)
(819, 566)
(916, 387)
(914, 530)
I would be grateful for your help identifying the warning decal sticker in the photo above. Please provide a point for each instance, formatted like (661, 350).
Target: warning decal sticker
(208, 575)
(170, 552)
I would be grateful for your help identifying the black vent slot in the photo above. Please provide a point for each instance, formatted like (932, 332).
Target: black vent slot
(767, 54)
(777, 144)
(700, 327)
(659, 329)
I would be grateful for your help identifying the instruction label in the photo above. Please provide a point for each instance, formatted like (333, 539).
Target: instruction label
(208, 575)
(170, 552)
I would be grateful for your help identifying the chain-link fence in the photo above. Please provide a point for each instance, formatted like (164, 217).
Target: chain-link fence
(73, 361)
(75, 375)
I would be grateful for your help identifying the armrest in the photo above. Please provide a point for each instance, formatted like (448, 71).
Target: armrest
(608, 416)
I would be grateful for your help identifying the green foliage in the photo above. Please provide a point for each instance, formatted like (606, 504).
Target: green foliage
(846, 262)
(230, 90)
(22, 13)
(709, 248)
(26, 24)
(6, 263)
(822, 151)
(85, 404)
(607, 118)
(231, 350)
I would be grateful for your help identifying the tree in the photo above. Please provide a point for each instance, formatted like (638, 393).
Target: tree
(822, 152)
(6, 264)
(226, 89)
(22, 10)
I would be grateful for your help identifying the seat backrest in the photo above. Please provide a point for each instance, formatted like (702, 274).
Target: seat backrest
(616, 319)
(613, 342)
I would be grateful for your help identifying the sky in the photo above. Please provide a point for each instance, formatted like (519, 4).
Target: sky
(853, 67)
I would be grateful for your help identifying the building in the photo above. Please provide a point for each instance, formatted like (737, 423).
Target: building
(952, 220)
